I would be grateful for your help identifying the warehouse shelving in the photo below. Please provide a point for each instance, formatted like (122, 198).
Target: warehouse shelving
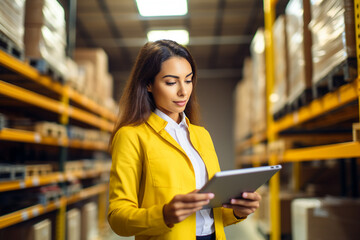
(8, 134)
(39, 209)
(23, 86)
(346, 94)
(31, 74)
(29, 97)
(56, 177)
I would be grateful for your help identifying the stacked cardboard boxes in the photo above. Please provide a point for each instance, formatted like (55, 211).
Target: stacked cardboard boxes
(98, 85)
(298, 17)
(325, 218)
(45, 33)
(280, 93)
(333, 35)
(243, 109)
(12, 21)
(257, 49)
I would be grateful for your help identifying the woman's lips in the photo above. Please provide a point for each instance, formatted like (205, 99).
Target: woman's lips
(180, 103)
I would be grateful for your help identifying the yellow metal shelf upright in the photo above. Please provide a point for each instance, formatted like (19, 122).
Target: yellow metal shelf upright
(269, 15)
(331, 101)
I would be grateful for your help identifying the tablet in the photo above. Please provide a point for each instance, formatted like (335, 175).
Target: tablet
(232, 183)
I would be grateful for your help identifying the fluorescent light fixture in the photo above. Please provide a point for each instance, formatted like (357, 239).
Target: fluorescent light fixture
(179, 36)
(152, 8)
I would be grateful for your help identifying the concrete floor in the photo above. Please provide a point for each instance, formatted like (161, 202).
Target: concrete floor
(245, 230)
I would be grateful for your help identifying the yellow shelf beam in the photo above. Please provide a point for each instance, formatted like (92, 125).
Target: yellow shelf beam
(32, 74)
(17, 135)
(344, 95)
(32, 98)
(87, 193)
(90, 104)
(49, 104)
(340, 150)
(28, 213)
(37, 210)
(33, 181)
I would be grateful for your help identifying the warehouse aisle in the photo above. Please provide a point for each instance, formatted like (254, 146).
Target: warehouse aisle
(242, 231)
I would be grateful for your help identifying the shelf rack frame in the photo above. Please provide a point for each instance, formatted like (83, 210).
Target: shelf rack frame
(347, 93)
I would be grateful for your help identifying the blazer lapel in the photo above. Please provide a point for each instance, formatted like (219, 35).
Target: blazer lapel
(159, 124)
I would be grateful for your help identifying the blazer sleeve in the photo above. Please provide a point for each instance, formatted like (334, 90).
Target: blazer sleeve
(124, 215)
(229, 217)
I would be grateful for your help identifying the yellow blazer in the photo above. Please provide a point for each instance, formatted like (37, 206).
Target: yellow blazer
(148, 169)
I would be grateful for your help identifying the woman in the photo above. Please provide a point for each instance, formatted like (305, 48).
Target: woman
(160, 157)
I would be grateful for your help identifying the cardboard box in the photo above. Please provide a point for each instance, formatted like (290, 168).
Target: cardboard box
(99, 59)
(89, 222)
(325, 218)
(243, 104)
(86, 81)
(40, 231)
(281, 85)
(257, 49)
(12, 14)
(298, 17)
(333, 35)
(73, 224)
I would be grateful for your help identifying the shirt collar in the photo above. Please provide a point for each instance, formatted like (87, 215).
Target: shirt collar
(170, 121)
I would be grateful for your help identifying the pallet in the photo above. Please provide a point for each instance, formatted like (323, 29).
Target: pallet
(282, 112)
(10, 47)
(10, 172)
(49, 129)
(344, 73)
(38, 170)
(47, 69)
(3, 121)
(302, 100)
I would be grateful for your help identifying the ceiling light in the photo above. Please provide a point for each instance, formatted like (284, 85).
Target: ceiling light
(179, 36)
(151, 8)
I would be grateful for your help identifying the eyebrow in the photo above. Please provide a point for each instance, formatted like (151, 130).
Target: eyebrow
(173, 76)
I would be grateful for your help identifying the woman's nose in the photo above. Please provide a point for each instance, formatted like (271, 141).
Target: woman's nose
(182, 90)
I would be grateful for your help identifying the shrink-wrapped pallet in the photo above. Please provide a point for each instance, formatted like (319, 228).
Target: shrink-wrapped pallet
(333, 33)
(99, 59)
(280, 91)
(45, 33)
(257, 49)
(12, 21)
(243, 100)
(299, 48)
(325, 218)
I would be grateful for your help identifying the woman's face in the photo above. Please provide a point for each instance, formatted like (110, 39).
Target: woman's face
(172, 87)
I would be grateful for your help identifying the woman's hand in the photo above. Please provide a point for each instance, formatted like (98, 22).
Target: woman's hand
(182, 206)
(243, 207)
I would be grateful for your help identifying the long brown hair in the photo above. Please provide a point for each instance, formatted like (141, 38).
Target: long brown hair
(136, 103)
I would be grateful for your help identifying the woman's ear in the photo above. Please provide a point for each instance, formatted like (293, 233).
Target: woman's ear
(149, 88)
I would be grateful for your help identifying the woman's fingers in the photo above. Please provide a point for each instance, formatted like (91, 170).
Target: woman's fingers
(246, 205)
(183, 205)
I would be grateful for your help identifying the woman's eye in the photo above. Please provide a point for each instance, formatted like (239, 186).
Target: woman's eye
(188, 81)
(170, 83)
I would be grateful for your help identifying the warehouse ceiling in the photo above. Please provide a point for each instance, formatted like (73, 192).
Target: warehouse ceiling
(220, 32)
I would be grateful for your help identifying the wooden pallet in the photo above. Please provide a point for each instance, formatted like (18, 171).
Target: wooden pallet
(343, 73)
(10, 172)
(10, 47)
(49, 129)
(47, 69)
(38, 170)
(302, 100)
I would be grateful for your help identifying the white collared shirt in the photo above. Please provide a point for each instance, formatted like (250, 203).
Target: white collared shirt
(180, 132)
